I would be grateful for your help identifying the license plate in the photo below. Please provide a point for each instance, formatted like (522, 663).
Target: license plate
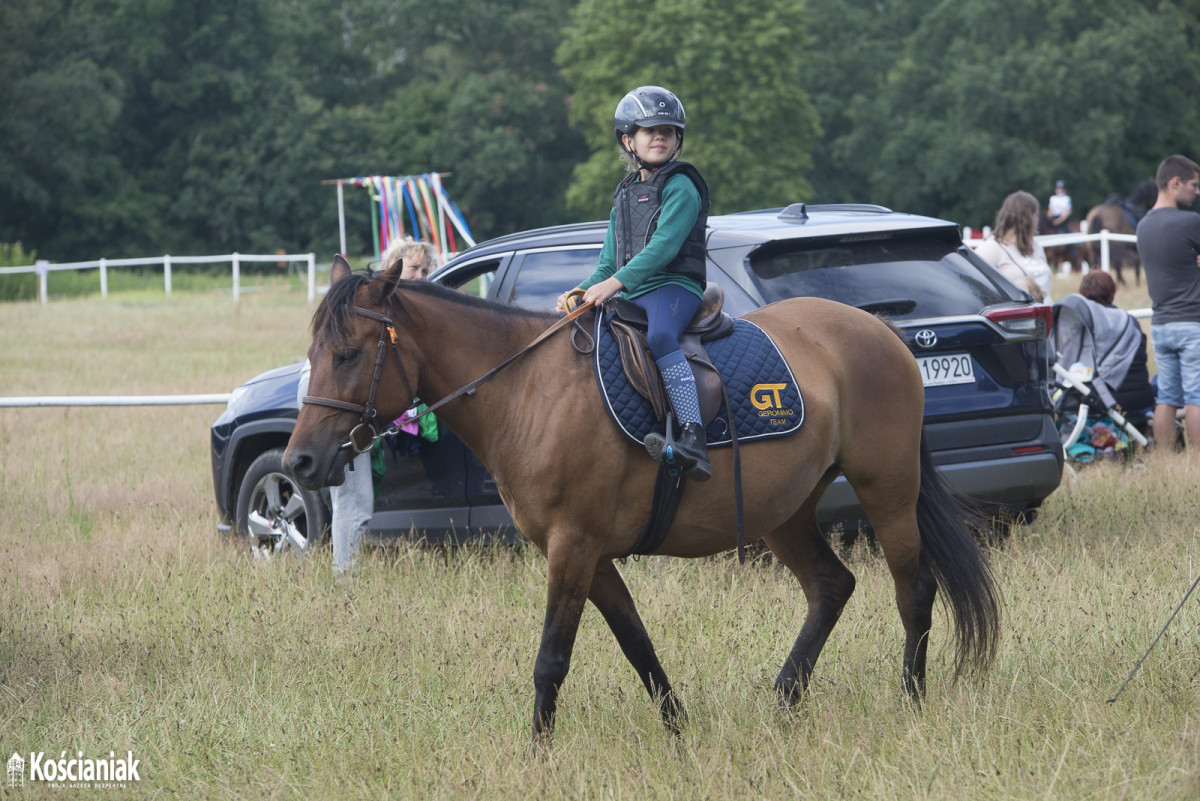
(949, 368)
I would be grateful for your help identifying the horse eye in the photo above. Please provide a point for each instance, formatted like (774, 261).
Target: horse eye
(346, 357)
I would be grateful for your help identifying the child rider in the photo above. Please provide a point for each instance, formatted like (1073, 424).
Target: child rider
(654, 255)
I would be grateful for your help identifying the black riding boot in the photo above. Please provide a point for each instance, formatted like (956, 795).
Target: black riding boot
(693, 448)
(688, 454)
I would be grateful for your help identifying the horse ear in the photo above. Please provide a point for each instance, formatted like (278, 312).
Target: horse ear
(340, 269)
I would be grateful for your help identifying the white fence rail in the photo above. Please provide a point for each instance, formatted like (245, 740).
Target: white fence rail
(1105, 238)
(115, 400)
(43, 268)
(1053, 240)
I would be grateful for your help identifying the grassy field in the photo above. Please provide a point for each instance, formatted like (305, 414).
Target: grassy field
(128, 624)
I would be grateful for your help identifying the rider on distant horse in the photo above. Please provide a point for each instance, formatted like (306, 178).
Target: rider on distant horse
(1058, 208)
(654, 255)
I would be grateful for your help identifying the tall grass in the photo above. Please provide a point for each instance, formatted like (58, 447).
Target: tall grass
(128, 623)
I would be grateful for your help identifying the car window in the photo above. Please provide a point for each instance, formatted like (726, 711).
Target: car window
(546, 274)
(909, 277)
(474, 279)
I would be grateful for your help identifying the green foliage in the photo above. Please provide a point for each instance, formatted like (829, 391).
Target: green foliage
(132, 127)
(484, 104)
(58, 105)
(15, 255)
(736, 67)
(17, 286)
(987, 97)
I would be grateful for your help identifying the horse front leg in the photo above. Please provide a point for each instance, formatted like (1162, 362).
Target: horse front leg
(570, 578)
(611, 596)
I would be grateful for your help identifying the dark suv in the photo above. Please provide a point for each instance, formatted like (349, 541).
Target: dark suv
(980, 343)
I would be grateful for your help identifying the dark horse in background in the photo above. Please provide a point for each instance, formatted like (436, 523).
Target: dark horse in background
(581, 492)
(1057, 254)
(1120, 215)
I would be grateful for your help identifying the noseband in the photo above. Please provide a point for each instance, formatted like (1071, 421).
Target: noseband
(367, 426)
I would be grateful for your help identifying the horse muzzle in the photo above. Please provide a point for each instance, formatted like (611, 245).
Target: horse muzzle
(313, 473)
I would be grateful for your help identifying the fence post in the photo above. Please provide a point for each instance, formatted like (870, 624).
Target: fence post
(42, 267)
(1104, 257)
(312, 277)
(167, 274)
(237, 277)
(341, 218)
(103, 278)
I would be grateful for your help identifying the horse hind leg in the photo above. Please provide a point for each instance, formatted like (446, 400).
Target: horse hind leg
(889, 498)
(611, 597)
(827, 583)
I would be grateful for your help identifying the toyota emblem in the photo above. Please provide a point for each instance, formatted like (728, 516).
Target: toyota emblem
(926, 338)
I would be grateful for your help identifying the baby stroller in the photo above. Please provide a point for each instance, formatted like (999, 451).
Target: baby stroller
(1103, 398)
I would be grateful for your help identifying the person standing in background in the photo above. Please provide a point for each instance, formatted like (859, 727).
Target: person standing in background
(1168, 243)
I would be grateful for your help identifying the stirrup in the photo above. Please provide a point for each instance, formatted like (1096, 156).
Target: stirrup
(665, 448)
(661, 447)
(693, 451)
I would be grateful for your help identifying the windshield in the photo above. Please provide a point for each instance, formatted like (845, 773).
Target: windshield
(910, 277)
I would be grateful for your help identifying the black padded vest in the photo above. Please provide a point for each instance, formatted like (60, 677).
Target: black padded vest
(638, 204)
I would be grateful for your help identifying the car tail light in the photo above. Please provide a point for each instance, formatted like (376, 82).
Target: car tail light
(1033, 321)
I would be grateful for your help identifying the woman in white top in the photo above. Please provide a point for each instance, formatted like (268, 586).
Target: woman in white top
(1011, 248)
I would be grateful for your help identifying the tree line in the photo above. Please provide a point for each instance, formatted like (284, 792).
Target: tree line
(130, 127)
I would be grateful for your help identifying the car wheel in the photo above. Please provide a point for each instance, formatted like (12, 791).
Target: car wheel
(274, 514)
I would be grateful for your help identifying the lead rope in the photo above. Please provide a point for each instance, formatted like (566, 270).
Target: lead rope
(470, 388)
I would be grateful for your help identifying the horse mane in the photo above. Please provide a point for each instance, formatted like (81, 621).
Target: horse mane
(461, 298)
(335, 311)
(1145, 195)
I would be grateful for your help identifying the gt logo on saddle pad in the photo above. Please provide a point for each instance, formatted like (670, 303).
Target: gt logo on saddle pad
(766, 397)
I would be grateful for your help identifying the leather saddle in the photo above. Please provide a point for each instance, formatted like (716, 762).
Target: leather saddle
(627, 321)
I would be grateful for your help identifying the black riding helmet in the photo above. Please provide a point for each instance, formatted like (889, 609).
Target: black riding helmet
(646, 107)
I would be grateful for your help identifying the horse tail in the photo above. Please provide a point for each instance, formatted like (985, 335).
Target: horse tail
(947, 523)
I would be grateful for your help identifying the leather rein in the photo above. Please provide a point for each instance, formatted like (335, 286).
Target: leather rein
(368, 426)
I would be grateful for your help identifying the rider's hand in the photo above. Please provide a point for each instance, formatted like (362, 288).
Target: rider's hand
(602, 291)
(560, 305)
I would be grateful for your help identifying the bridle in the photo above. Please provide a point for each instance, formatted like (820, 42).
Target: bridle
(367, 427)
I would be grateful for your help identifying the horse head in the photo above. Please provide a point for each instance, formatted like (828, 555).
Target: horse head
(359, 382)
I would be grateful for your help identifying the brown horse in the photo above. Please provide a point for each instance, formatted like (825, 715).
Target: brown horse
(1120, 215)
(580, 491)
(1057, 254)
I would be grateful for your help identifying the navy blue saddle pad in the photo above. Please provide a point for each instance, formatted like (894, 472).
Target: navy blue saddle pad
(761, 388)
